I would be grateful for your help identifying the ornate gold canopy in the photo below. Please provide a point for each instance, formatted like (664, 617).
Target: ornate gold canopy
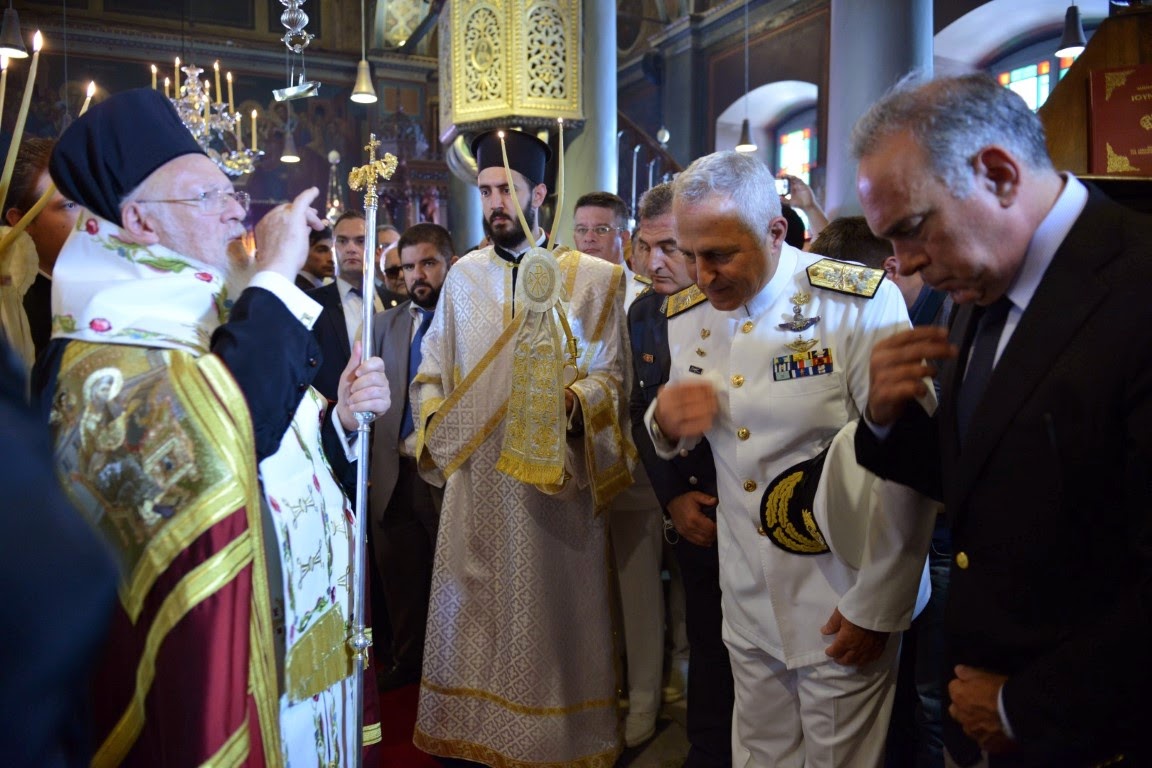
(507, 61)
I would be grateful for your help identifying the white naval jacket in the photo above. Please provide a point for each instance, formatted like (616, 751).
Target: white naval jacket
(775, 599)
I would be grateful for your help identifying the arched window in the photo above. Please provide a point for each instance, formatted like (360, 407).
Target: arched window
(796, 143)
(1032, 71)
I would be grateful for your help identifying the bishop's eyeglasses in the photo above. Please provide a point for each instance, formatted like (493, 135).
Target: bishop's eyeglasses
(212, 201)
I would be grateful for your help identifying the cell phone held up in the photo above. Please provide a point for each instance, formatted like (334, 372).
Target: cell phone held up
(783, 187)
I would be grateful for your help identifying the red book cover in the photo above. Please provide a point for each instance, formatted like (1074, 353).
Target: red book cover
(1120, 121)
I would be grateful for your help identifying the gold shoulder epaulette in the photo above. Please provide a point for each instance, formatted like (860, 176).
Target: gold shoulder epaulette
(684, 300)
(843, 277)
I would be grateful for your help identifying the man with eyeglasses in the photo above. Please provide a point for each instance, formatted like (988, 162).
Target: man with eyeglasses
(634, 518)
(338, 326)
(392, 290)
(600, 227)
(187, 433)
(406, 508)
(393, 280)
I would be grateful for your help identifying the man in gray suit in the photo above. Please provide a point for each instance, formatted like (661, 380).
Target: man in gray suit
(404, 510)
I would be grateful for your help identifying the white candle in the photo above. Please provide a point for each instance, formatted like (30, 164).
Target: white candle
(559, 187)
(253, 130)
(219, 93)
(231, 103)
(3, 80)
(167, 85)
(153, 77)
(21, 118)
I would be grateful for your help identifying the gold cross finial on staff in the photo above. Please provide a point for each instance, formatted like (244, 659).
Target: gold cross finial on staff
(364, 177)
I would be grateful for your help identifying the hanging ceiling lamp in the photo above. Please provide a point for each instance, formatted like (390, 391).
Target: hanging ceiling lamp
(1072, 42)
(289, 154)
(11, 42)
(746, 144)
(296, 39)
(363, 93)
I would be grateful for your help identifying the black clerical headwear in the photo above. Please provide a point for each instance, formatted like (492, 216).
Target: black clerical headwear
(526, 154)
(118, 143)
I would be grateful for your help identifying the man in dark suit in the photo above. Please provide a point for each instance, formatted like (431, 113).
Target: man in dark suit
(319, 265)
(1042, 446)
(685, 486)
(339, 323)
(405, 510)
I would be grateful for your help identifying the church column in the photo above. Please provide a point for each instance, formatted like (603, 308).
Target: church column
(464, 214)
(862, 68)
(591, 164)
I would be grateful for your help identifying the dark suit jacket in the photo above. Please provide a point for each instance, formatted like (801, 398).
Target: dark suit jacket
(648, 331)
(305, 284)
(331, 332)
(38, 307)
(391, 341)
(1050, 500)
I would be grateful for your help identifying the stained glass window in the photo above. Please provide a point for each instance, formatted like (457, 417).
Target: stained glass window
(1033, 71)
(795, 153)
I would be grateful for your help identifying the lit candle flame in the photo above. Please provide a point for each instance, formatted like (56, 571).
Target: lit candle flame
(21, 117)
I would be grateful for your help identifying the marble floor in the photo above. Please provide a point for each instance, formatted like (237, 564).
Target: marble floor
(668, 747)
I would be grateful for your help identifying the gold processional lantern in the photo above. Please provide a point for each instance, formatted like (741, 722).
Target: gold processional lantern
(509, 63)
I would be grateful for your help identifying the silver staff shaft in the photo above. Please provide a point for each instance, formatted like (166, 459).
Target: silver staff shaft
(359, 640)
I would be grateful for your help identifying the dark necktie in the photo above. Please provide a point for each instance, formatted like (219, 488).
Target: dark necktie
(355, 291)
(980, 359)
(414, 358)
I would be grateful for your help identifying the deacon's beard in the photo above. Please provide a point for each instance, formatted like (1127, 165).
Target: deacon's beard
(514, 237)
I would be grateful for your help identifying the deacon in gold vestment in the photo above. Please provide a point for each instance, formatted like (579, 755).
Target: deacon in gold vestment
(518, 662)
